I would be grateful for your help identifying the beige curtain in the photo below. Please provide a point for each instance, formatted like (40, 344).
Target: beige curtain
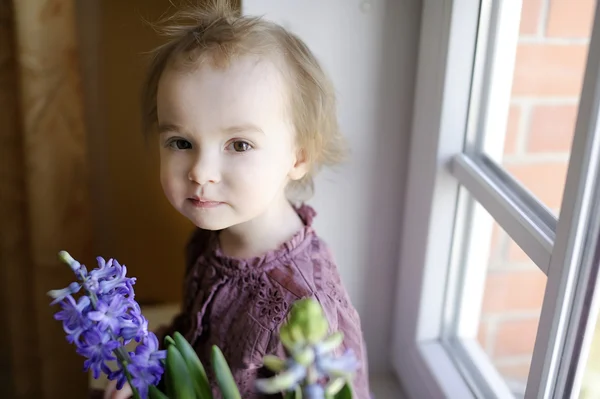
(44, 200)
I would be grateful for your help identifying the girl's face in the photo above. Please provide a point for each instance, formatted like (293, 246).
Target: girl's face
(227, 147)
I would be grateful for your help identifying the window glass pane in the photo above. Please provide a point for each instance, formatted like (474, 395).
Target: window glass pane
(548, 72)
(500, 293)
(511, 308)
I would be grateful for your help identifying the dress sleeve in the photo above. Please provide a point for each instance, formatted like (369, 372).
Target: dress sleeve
(181, 322)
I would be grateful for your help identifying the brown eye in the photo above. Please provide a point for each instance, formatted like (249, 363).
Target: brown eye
(241, 146)
(180, 144)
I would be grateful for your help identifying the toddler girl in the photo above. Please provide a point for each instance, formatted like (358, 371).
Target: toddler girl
(245, 116)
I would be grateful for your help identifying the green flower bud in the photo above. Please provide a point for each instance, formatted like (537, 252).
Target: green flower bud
(274, 363)
(334, 386)
(330, 343)
(296, 334)
(306, 310)
(305, 357)
(316, 330)
(284, 337)
(281, 382)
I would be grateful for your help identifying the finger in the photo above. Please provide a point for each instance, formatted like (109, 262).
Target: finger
(123, 393)
(110, 389)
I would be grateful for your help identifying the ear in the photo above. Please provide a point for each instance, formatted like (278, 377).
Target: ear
(300, 167)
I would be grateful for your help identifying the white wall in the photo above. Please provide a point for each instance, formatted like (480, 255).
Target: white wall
(371, 57)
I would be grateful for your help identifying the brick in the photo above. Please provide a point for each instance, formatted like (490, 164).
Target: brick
(546, 180)
(515, 337)
(507, 291)
(530, 16)
(496, 241)
(512, 130)
(516, 254)
(482, 334)
(549, 70)
(570, 18)
(518, 371)
(552, 128)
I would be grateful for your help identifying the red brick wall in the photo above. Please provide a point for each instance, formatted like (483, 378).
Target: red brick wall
(550, 63)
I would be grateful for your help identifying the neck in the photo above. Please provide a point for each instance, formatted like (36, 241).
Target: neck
(266, 232)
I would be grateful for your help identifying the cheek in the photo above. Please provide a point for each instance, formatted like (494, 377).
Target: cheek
(170, 175)
(260, 174)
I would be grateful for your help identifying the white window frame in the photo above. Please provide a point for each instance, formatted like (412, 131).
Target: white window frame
(443, 158)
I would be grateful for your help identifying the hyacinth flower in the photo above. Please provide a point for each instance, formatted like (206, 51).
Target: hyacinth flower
(311, 371)
(106, 317)
(103, 320)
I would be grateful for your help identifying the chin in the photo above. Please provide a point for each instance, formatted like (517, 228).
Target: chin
(209, 221)
(208, 224)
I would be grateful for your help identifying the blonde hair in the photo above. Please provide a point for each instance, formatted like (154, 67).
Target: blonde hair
(213, 30)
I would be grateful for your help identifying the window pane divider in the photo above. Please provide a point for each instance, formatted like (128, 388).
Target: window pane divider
(526, 220)
(563, 333)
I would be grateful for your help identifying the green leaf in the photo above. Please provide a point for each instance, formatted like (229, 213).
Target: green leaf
(194, 366)
(179, 383)
(296, 394)
(224, 377)
(169, 341)
(345, 393)
(155, 393)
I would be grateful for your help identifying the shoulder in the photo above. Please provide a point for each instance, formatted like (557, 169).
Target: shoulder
(313, 273)
(304, 272)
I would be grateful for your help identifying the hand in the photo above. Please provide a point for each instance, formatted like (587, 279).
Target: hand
(111, 391)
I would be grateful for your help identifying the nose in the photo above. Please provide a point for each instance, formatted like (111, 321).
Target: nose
(204, 170)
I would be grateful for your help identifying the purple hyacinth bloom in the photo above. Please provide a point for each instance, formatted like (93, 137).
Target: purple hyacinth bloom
(72, 312)
(142, 378)
(97, 347)
(314, 391)
(119, 375)
(146, 367)
(73, 316)
(134, 325)
(118, 281)
(105, 270)
(108, 315)
(343, 365)
(105, 319)
(74, 334)
(59, 295)
(147, 353)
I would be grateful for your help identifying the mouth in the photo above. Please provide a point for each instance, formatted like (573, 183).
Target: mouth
(204, 203)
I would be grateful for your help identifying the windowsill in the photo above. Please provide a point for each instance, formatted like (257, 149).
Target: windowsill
(386, 386)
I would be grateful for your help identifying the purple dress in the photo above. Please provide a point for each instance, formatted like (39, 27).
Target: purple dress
(240, 304)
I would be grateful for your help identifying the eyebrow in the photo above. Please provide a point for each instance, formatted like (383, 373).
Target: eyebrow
(168, 127)
(247, 127)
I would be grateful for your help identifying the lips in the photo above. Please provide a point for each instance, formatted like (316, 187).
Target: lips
(204, 203)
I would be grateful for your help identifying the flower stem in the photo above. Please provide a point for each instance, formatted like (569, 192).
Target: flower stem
(122, 356)
(136, 394)
(124, 360)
